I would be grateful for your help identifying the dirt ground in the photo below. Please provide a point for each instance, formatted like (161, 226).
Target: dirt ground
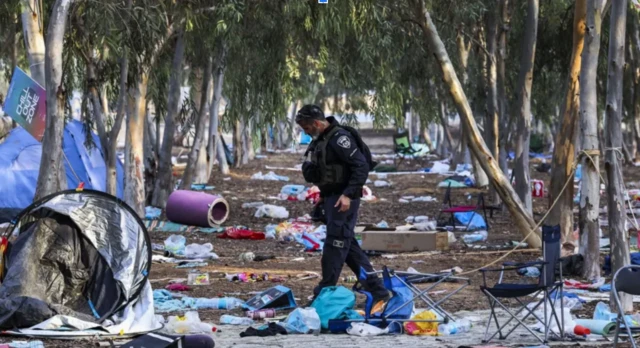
(241, 189)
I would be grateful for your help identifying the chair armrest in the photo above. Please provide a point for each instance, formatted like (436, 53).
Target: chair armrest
(513, 267)
(525, 264)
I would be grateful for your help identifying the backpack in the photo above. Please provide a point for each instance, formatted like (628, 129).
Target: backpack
(361, 145)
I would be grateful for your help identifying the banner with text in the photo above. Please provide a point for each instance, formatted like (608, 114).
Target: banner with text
(26, 103)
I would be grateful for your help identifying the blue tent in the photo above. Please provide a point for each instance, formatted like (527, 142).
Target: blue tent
(305, 139)
(20, 163)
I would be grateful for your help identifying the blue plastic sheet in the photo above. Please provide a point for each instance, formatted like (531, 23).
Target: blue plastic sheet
(477, 221)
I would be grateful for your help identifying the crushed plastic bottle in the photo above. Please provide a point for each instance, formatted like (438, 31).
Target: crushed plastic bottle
(479, 236)
(218, 303)
(233, 320)
(175, 244)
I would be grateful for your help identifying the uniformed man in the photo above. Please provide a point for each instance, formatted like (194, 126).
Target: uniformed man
(335, 163)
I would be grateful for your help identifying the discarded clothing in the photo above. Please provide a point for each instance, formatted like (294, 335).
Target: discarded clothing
(272, 329)
(177, 287)
(239, 233)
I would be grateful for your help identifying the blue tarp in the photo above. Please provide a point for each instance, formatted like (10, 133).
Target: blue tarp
(20, 163)
(305, 139)
(477, 221)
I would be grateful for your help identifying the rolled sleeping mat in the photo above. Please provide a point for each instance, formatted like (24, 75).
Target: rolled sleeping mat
(197, 208)
(598, 327)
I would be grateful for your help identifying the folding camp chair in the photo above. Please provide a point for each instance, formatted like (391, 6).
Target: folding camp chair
(403, 149)
(403, 287)
(547, 285)
(449, 208)
(627, 280)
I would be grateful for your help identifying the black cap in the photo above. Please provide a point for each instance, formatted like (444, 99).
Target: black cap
(310, 111)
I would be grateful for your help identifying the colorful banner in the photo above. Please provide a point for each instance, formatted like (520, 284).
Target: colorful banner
(26, 103)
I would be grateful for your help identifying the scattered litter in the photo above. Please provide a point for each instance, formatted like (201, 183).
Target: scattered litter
(192, 265)
(202, 187)
(478, 236)
(165, 301)
(269, 176)
(226, 319)
(272, 211)
(241, 233)
(302, 321)
(531, 272)
(382, 224)
(381, 183)
(25, 344)
(247, 257)
(227, 179)
(152, 213)
(252, 205)
(173, 227)
(189, 323)
(175, 244)
(195, 250)
(454, 270)
(177, 287)
(297, 259)
(197, 278)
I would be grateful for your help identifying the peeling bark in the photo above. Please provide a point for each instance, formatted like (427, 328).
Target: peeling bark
(33, 34)
(525, 80)
(164, 183)
(564, 149)
(51, 176)
(617, 211)
(590, 188)
(196, 149)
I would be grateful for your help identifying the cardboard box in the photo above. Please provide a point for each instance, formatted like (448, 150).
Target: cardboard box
(392, 240)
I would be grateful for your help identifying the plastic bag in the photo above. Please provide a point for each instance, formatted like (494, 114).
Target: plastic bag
(189, 323)
(422, 328)
(365, 330)
(302, 321)
(198, 251)
(175, 244)
(272, 211)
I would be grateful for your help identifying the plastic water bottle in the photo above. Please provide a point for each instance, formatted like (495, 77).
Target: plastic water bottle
(475, 237)
(233, 320)
(218, 303)
(270, 231)
(447, 329)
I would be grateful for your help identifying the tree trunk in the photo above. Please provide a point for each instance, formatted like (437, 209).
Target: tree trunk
(590, 188)
(491, 127)
(134, 146)
(525, 80)
(564, 150)
(33, 34)
(150, 155)
(163, 186)
(501, 86)
(613, 140)
(202, 173)
(215, 142)
(237, 144)
(523, 219)
(112, 184)
(196, 149)
(52, 177)
(251, 151)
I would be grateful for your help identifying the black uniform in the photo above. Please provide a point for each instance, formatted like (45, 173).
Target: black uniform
(341, 245)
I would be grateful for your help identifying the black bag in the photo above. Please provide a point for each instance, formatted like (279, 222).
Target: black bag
(362, 146)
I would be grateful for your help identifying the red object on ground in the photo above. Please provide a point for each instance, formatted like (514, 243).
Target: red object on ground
(537, 189)
(581, 330)
(236, 233)
(177, 287)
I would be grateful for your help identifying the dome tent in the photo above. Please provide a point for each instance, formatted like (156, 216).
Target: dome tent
(81, 254)
(20, 155)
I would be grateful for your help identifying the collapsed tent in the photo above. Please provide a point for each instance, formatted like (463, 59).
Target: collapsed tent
(84, 255)
(20, 157)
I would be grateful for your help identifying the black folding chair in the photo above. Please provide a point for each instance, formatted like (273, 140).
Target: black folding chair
(626, 280)
(548, 286)
(449, 208)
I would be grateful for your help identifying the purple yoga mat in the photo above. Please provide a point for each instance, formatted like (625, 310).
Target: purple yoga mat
(197, 208)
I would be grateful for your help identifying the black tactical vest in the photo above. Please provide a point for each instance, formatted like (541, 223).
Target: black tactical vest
(329, 173)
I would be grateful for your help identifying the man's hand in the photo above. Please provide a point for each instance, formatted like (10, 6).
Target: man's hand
(343, 203)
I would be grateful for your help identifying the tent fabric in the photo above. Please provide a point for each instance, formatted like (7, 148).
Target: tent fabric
(83, 254)
(20, 157)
